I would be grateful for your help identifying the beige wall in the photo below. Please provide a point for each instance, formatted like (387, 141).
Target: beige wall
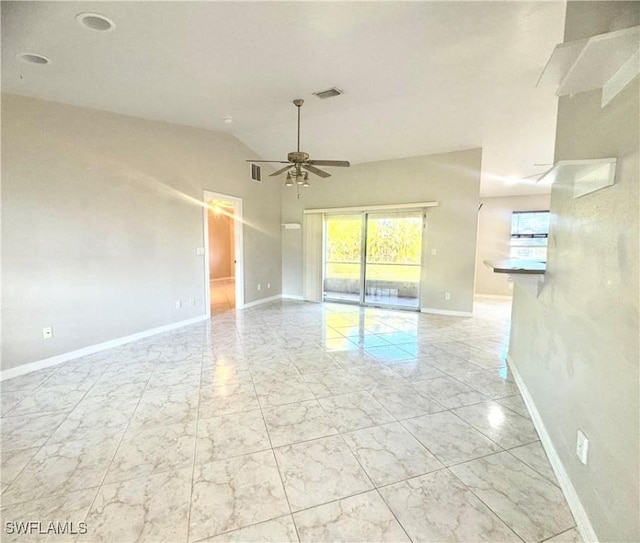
(221, 244)
(101, 218)
(452, 179)
(494, 235)
(576, 346)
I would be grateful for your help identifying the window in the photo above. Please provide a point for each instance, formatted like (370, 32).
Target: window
(529, 233)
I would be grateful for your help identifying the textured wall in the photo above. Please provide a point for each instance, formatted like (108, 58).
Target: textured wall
(101, 217)
(576, 346)
(452, 179)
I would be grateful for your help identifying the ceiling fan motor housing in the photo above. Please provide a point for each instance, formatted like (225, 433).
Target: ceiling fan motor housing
(298, 156)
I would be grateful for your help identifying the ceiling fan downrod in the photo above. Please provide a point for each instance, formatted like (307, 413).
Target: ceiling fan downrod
(298, 103)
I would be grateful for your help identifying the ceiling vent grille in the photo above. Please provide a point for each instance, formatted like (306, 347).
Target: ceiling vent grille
(329, 93)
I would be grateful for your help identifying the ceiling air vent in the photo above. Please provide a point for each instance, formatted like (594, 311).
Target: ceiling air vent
(329, 93)
(256, 173)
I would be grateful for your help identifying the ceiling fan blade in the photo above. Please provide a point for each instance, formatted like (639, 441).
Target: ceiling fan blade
(277, 161)
(341, 163)
(315, 170)
(281, 170)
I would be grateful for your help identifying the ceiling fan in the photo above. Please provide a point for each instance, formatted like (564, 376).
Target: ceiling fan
(297, 161)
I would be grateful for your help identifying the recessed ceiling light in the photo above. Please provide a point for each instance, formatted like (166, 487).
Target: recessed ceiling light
(95, 21)
(34, 58)
(228, 119)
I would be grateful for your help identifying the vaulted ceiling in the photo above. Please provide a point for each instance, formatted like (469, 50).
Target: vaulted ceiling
(418, 77)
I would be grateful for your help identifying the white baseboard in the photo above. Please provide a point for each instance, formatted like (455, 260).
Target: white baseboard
(493, 297)
(582, 520)
(262, 301)
(292, 297)
(446, 312)
(71, 355)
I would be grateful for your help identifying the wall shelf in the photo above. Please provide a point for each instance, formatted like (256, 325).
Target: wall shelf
(606, 61)
(529, 274)
(587, 175)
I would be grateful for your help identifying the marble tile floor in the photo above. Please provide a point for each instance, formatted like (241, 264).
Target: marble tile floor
(223, 295)
(284, 422)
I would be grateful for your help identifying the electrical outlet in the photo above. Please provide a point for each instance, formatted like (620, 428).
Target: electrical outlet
(582, 447)
(259, 286)
(178, 304)
(447, 296)
(433, 252)
(510, 285)
(47, 332)
(268, 285)
(192, 301)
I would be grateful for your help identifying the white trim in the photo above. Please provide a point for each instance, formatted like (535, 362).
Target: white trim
(71, 355)
(262, 301)
(582, 520)
(238, 233)
(291, 297)
(372, 208)
(493, 297)
(446, 312)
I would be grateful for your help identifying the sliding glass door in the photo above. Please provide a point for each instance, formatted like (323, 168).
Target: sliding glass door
(393, 257)
(343, 257)
(374, 258)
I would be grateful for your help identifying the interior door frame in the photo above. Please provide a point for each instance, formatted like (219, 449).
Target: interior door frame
(238, 246)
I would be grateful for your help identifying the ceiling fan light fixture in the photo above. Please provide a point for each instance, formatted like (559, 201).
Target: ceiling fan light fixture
(288, 182)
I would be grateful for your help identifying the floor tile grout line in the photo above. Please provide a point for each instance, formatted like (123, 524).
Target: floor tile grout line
(195, 450)
(49, 496)
(227, 532)
(115, 452)
(554, 483)
(456, 463)
(275, 459)
(487, 505)
(560, 533)
(46, 442)
(521, 538)
(374, 487)
(488, 437)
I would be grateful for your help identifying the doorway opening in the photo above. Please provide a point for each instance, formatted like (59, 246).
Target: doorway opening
(374, 258)
(223, 252)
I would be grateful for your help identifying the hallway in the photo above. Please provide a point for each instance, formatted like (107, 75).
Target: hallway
(223, 295)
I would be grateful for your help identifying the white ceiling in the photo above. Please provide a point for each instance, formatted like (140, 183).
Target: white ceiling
(418, 77)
